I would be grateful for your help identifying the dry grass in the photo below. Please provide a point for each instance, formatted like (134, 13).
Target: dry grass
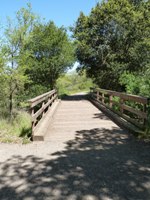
(17, 130)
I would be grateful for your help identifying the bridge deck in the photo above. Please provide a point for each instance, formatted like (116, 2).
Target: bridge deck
(85, 156)
(75, 114)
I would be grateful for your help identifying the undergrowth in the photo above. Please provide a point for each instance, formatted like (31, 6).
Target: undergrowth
(16, 130)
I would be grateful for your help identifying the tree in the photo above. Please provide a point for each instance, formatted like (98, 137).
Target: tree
(113, 39)
(16, 36)
(52, 53)
(2, 81)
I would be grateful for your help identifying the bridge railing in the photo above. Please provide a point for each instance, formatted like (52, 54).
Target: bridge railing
(40, 105)
(133, 108)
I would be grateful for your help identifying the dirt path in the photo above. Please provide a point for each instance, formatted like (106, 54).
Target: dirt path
(82, 158)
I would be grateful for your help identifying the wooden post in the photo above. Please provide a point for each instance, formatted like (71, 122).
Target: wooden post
(32, 111)
(103, 98)
(145, 110)
(46, 100)
(110, 101)
(121, 105)
(56, 96)
(43, 110)
(33, 125)
(33, 122)
(97, 95)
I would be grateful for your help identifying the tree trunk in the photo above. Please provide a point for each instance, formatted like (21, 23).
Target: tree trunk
(10, 105)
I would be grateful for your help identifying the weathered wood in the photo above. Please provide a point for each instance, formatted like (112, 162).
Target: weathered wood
(121, 105)
(104, 96)
(35, 101)
(97, 95)
(45, 101)
(116, 117)
(139, 113)
(41, 110)
(41, 129)
(133, 121)
(134, 98)
(110, 101)
(131, 97)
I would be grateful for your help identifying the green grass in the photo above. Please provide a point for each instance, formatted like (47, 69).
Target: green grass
(17, 130)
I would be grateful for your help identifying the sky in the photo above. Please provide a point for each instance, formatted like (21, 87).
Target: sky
(62, 12)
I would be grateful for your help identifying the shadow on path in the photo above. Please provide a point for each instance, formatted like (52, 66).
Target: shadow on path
(99, 164)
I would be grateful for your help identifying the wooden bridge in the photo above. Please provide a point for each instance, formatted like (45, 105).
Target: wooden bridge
(54, 119)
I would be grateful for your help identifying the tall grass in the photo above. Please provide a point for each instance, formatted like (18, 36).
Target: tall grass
(16, 130)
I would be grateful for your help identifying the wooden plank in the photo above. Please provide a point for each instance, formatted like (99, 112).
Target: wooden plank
(40, 131)
(133, 121)
(101, 97)
(97, 95)
(109, 92)
(135, 98)
(110, 101)
(116, 117)
(100, 100)
(141, 114)
(35, 101)
(41, 96)
(128, 97)
(40, 111)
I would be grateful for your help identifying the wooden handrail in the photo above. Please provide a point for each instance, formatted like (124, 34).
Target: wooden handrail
(33, 102)
(137, 115)
(40, 105)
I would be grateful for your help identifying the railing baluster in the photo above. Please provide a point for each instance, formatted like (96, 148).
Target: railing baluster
(103, 98)
(49, 98)
(110, 101)
(43, 104)
(97, 95)
(121, 105)
(141, 113)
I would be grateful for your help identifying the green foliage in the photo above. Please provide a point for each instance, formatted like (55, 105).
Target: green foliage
(52, 53)
(32, 56)
(113, 45)
(138, 84)
(131, 83)
(73, 83)
(114, 38)
(14, 56)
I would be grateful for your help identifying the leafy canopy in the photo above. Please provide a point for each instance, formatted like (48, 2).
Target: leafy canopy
(51, 54)
(113, 39)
